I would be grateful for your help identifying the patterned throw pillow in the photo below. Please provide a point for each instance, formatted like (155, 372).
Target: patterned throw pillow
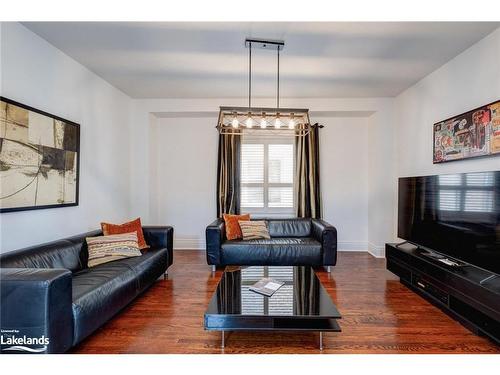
(131, 226)
(254, 230)
(233, 231)
(104, 249)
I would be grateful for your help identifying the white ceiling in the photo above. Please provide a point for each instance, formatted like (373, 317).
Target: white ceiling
(209, 60)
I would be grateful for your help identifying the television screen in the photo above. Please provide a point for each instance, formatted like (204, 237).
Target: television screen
(454, 214)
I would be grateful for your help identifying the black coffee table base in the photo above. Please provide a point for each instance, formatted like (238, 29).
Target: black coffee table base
(225, 323)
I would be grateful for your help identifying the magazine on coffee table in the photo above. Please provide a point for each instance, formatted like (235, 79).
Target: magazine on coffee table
(266, 286)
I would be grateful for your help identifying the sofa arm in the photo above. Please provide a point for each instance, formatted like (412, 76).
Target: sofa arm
(215, 234)
(326, 234)
(160, 236)
(36, 303)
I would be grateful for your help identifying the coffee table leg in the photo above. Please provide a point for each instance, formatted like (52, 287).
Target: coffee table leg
(222, 343)
(320, 340)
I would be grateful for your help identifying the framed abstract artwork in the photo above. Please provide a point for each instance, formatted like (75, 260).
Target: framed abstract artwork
(39, 159)
(472, 134)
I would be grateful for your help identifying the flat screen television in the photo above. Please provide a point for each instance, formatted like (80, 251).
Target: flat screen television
(454, 214)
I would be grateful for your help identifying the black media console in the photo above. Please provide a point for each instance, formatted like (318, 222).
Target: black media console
(467, 293)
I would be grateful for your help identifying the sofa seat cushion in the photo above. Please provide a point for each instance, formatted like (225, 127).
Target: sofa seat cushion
(286, 228)
(285, 251)
(149, 266)
(99, 293)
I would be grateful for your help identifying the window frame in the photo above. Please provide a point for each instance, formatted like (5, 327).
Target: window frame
(267, 211)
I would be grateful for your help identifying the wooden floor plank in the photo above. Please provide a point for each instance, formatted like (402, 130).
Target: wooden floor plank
(380, 315)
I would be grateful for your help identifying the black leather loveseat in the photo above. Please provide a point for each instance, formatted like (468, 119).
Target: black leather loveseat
(48, 291)
(294, 242)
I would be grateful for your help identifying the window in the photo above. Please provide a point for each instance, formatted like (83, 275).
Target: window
(267, 174)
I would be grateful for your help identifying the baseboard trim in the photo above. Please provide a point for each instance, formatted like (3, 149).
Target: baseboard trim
(352, 246)
(189, 244)
(376, 251)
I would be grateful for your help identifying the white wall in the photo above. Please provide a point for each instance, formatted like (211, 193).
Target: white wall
(381, 180)
(183, 186)
(344, 179)
(39, 75)
(468, 81)
(186, 151)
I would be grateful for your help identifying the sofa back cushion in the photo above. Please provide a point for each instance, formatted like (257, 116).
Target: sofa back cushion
(70, 253)
(79, 240)
(289, 227)
(57, 254)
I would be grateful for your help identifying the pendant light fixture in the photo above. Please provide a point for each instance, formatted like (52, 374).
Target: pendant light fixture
(278, 121)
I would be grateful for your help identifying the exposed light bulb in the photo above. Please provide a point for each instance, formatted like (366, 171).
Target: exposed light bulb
(263, 123)
(249, 122)
(291, 124)
(235, 122)
(277, 123)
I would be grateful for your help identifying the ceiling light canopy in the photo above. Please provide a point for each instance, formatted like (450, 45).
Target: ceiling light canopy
(281, 121)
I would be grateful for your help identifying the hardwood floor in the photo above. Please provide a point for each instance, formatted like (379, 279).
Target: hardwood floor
(379, 316)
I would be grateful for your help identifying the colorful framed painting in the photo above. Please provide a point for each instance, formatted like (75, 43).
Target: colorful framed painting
(39, 159)
(472, 134)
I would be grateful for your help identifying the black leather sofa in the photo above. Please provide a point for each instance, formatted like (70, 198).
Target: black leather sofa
(48, 290)
(294, 242)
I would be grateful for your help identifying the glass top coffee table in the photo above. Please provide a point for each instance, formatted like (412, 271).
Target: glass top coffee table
(301, 304)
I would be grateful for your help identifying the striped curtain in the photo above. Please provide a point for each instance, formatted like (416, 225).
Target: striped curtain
(228, 175)
(308, 193)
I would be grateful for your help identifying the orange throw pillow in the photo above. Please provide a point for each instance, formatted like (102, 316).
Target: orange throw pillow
(233, 230)
(131, 226)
